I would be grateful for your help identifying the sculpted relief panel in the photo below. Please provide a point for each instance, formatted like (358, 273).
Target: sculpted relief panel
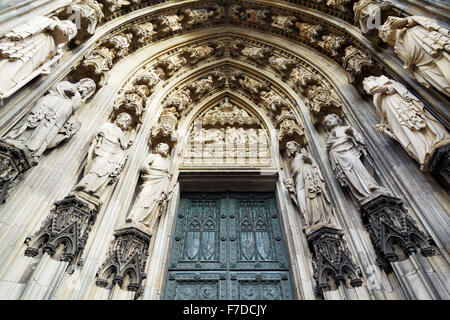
(227, 135)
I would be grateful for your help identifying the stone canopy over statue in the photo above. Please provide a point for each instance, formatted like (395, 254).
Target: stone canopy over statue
(50, 122)
(31, 49)
(423, 46)
(404, 118)
(312, 197)
(153, 191)
(106, 156)
(346, 147)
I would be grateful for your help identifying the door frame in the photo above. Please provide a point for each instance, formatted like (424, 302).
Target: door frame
(252, 180)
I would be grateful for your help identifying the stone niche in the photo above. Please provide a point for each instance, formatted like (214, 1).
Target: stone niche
(227, 135)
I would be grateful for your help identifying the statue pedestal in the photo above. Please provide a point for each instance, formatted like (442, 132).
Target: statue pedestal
(391, 227)
(68, 224)
(331, 258)
(127, 256)
(439, 165)
(13, 164)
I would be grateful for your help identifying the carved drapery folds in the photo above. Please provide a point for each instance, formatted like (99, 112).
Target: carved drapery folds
(30, 50)
(423, 46)
(391, 228)
(126, 260)
(49, 123)
(68, 225)
(405, 119)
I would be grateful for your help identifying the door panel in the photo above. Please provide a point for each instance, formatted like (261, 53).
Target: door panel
(228, 246)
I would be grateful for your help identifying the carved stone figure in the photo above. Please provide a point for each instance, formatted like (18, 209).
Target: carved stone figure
(345, 148)
(289, 129)
(259, 55)
(251, 86)
(338, 4)
(404, 118)
(106, 156)
(309, 32)
(369, 14)
(196, 16)
(310, 189)
(285, 23)
(112, 6)
(199, 87)
(170, 65)
(303, 78)
(273, 101)
(153, 191)
(194, 55)
(332, 44)
(31, 49)
(120, 43)
(321, 102)
(170, 23)
(180, 101)
(86, 12)
(282, 65)
(257, 16)
(423, 46)
(48, 123)
(95, 64)
(142, 33)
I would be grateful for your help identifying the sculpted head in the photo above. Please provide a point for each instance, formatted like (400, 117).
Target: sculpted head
(64, 31)
(331, 121)
(387, 33)
(292, 148)
(86, 87)
(123, 120)
(162, 149)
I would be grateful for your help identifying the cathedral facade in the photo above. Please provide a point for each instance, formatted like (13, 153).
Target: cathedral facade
(217, 150)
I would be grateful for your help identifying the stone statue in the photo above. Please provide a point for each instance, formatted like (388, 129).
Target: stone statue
(423, 46)
(153, 191)
(106, 156)
(312, 197)
(49, 122)
(345, 148)
(404, 118)
(31, 49)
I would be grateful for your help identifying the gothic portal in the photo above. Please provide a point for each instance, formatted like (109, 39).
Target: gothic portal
(202, 150)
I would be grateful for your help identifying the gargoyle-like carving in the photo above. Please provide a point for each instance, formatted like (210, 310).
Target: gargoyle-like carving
(284, 23)
(356, 63)
(309, 32)
(333, 44)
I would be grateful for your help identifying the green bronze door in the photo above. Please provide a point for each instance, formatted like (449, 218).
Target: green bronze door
(228, 246)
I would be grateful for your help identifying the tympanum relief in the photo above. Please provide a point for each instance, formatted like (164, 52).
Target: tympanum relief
(227, 135)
